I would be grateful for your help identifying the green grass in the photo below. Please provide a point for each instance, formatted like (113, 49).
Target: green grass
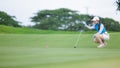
(25, 30)
(32, 48)
(29, 51)
(14, 57)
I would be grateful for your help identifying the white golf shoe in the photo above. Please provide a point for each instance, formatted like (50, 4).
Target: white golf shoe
(105, 43)
(101, 46)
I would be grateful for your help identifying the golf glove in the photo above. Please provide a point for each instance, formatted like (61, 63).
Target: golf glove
(84, 23)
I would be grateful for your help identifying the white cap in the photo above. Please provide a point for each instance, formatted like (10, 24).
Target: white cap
(95, 18)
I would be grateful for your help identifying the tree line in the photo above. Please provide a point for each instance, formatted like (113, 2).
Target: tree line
(66, 19)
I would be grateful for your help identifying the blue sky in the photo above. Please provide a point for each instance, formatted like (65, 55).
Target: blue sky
(24, 9)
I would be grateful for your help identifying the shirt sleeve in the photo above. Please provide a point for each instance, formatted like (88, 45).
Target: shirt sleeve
(101, 28)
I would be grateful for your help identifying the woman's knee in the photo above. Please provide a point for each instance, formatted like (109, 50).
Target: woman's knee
(97, 35)
(96, 41)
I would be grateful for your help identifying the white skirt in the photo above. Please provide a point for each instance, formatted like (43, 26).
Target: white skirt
(106, 36)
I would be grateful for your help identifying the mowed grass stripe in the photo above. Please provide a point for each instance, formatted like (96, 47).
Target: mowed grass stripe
(50, 40)
(54, 55)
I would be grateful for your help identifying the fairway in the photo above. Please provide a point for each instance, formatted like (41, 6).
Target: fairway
(56, 51)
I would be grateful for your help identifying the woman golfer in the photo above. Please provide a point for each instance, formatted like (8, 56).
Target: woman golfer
(101, 36)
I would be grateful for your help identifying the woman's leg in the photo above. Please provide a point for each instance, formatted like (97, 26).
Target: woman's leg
(99, 39)
(96, 41)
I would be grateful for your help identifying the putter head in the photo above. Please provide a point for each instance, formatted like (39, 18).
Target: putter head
(74, 46)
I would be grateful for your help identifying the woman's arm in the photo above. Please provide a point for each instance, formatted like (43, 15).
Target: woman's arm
(90, 27)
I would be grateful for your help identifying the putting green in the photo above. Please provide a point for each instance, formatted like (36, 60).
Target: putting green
(29, 57)
(29, 51)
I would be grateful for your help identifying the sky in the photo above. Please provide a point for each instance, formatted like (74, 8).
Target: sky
(24, 9)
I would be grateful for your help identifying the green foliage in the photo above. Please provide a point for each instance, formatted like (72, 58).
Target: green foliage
(69, 20)
(110, 24)
(6, 19)
(62, 18)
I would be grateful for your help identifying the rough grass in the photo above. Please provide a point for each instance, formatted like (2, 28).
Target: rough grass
(25, 30)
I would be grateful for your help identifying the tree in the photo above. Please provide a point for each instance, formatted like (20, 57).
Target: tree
(56, 19)
(66, 19)
(6, 19)
(111, 24)
(118, 5)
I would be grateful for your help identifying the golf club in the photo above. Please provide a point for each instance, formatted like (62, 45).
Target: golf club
(75, 46)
